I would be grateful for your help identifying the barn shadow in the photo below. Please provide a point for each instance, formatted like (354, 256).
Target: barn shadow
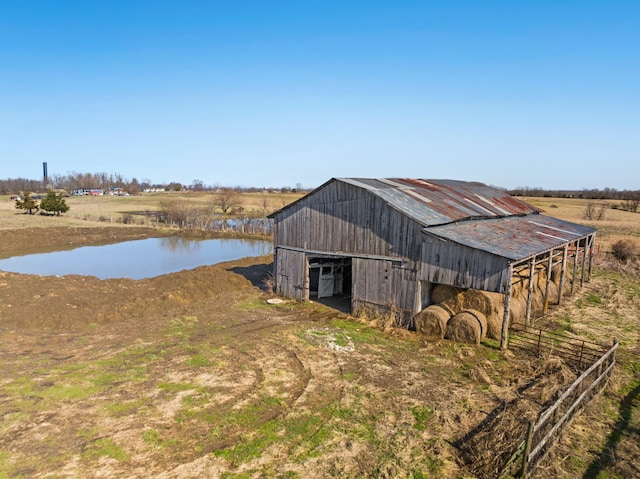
(339, 302)
(257, 274)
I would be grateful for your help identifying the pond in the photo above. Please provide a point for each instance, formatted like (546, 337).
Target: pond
(137, 259)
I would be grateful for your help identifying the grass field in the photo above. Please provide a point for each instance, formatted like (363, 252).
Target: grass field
(195, 375)
(85, 210)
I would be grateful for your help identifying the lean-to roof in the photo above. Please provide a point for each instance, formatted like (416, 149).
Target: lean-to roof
(514, 238)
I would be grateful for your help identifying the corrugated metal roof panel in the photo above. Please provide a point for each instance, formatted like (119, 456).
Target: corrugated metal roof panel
(514, 238)
(436, 202)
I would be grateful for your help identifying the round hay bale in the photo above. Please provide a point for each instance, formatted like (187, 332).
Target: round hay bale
(489, 304)
(517, 309)
(442, 293)
(467, 327)
(537, 304)
(553, 293)
(433, 320)
(494, 327)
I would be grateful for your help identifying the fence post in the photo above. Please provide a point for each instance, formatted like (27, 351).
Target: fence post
(539, 338)
(581, 352)
(527, 450)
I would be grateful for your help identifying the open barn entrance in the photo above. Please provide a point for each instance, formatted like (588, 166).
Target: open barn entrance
(330, 282)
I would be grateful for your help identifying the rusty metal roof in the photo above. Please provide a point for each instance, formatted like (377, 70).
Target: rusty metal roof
(515, 238)
(437, 202)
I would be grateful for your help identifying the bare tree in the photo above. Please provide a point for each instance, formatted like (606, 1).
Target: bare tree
(631, 202)
(595, 211)
(197, 185)
(227, 199)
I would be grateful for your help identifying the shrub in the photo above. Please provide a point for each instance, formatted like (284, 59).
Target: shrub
(624, 250)
(269, 282)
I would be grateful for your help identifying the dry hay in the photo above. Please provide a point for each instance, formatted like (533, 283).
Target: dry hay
(449, 295)
(490, 304)
(432, 320)
(517, 309)
(553, 292)
(468, 326)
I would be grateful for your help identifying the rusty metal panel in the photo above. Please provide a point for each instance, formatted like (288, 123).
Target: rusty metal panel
(514, 238)
(436, 202)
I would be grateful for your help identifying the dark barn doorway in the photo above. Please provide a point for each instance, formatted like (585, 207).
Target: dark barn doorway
(330, 282)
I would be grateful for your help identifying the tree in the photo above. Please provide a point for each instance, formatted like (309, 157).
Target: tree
(226, 199)
(594, 212)
(54, 203)
(28, 204)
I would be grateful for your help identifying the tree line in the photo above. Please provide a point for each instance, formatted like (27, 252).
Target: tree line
(105, 181)
(629, 199)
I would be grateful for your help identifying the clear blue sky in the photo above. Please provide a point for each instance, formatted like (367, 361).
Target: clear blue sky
(275, 93)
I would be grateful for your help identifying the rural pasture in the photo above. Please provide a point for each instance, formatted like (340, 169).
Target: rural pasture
(194, 374)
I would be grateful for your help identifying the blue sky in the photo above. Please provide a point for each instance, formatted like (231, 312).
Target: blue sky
(276, 93)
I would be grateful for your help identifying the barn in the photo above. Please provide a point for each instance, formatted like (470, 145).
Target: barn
(388, 243)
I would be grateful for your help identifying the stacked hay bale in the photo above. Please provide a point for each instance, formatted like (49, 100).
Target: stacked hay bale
(468, 326)
(433, 320)
(471, 315)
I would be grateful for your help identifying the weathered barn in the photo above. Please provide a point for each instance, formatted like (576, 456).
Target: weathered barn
(387, 243)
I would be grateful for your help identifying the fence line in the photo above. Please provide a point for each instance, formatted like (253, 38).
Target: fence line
(546, 430)
(578, 352)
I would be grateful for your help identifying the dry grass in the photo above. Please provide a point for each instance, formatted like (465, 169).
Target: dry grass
(229, 385)
(97, 210)
(616, 225)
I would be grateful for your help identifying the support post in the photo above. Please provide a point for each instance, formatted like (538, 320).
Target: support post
(563, 273)
(504, 336)
(547, 284)
(591, 252)
(532, 274)
(575, 265)
(584, 261)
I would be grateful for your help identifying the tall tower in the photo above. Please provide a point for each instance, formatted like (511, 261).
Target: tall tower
(45, 176)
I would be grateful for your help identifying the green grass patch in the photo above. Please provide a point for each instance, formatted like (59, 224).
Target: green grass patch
(199, 360)
(359, 332)
(63, 391)
(257, 303)
(6, 469)
(350, 376)
(155, 439)
(176, 387)
(124, 408)
(105, 447)
(421, 415)
(251, 447)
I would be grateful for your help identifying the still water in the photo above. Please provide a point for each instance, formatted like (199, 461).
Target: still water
(136, 259)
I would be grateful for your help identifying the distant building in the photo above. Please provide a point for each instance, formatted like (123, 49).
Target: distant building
(88, 192)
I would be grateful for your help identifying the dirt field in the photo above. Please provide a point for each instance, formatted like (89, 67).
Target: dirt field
(193, 374)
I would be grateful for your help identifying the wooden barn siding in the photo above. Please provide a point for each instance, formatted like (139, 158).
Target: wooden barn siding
(383, 283)
(343, 218)
(291, 274)
(457, 265)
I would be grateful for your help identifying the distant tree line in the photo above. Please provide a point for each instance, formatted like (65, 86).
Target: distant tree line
(629, 199)
(105, 181)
